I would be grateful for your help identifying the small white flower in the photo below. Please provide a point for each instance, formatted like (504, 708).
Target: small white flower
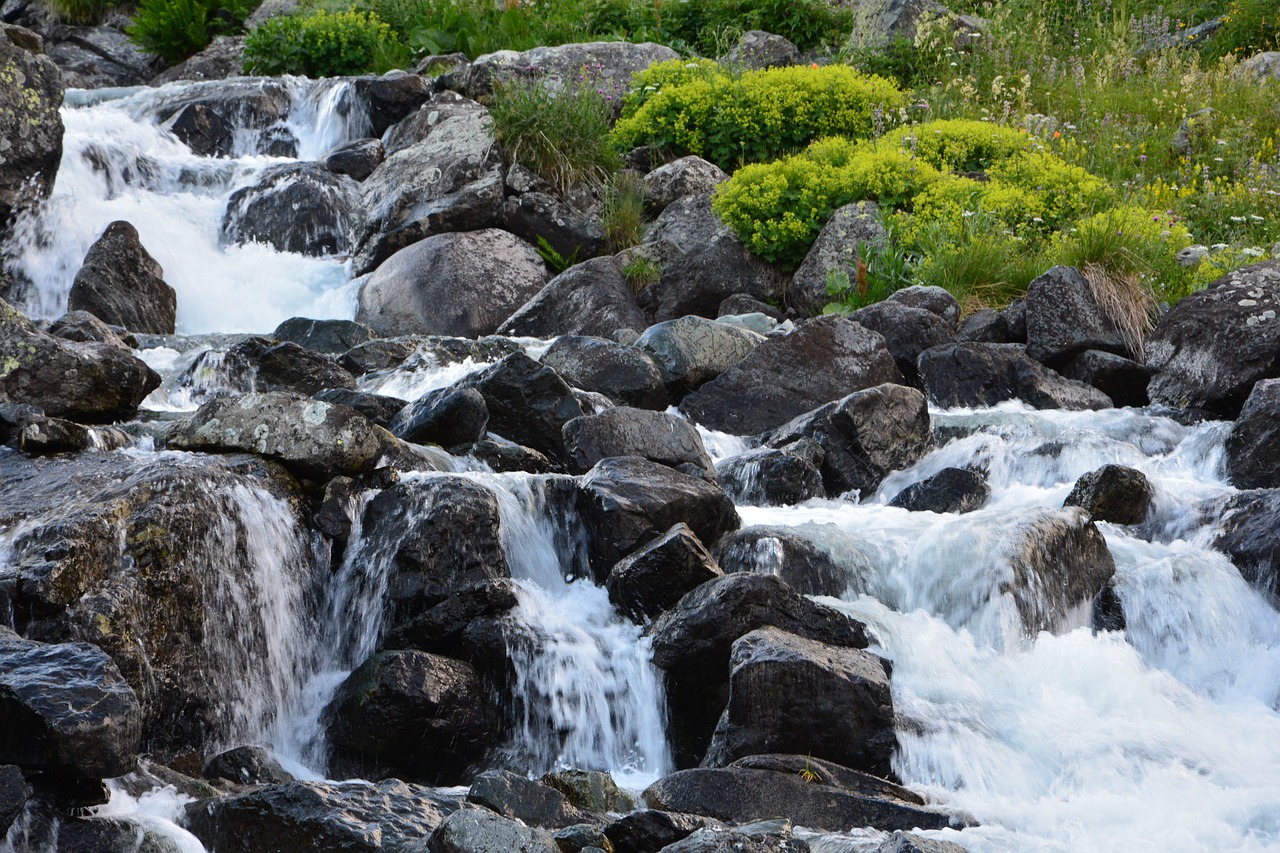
(1239, 219)
(1252, 252)
(1256, 218)
(1221, 141)
(1036, 219)
(1218, 246)
(967, 213)
(1217, 159)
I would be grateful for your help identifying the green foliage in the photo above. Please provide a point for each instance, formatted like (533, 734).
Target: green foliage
(563, 137)
(1248, 27)
(622, 210)
(885, 268)
(760, 115)
(80, 12)
(322, 44)
(641, 272)
(661, 76)
(978, 261)
(558, 262)
(708, 26)
(960, 145)
(175, 29)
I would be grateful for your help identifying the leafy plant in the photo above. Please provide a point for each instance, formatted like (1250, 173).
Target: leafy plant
(880, 270)
(175, 29)
(558, 262)
(641, 272)
(80, 12)
(323, 44)
(622, 210)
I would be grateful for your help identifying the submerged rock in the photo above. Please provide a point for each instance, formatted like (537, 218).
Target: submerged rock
(784, 552)
(950, 490)
(1250, 535)
(1113, 493)
(297, 207)
(770, 477)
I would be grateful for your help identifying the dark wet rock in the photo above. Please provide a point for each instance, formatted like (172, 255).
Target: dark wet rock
(686, 224)
(391, 98)
(357, 159)
(1113, 493)
(740, 794)
(978, 374)
(758, 49)
(590, 298)
(741, 303)
(1106, 613)
(909, 842)
(446, 628)
(931, 298)
(692, 642)
(14, 794)
(411, 715)
(1015, 319)
(520, 798)
(207, 134)
(30, 126)
(101, 56)
(735, 840)
(950, 490)
(1250, 535)
(644, 584)
(838, 248)
(353, 816)
(626, 375)
(627, 501)
(793, 695)
(284, 367)
(332, 337)
(89, 382)
(315, 439)
(1064, 319)
(865, 436)
(379, 354)
(296, 207)
(691, 351)
(478, 830)
(528, 403)
(907, 332)
(1121, 379)
(223, 58)
(583, 836)
(683, 177)
(83, 327)
(66, 710)
(257, 104)
(575, 235)
(784, 552)
(705, 276)
(447, 417)
(375, 407)
(121, 284)
(461, 284)
(986, 326)
(41, 435)
(770, 477)
(612, 63)
(623, 431)
(822, 360)
(590, 790)
(419, 124)
(650, 829)
(1210, 348)
(1253, 448)
(503, 456)
(246, 765)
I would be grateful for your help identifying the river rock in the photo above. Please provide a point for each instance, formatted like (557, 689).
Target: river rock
(978, 374)
(610, 65)
(256, 104)
(528, 403)
(931, 298)
(14, 794)
(683, 177)
(331, 337)
(838, 248)
(540, 216)
(412, 715)
(30, 126)
(691, 351)
(447, 417)
(90, 382)
(956, 490)
(1123, 380)
(39, 435)
(462, 284)
(1253, 448)
(706, 275)
(534, 803)
(1210, 348)
(987, 326)
(865, 436)
(793, 695)
(356, 160)
(590, 298)
(101, 56)
(907, 332)
(83, 327)
(623, 431)
(758, 49)
(452, 627)
(590, 790)
(822, 360)
(223, 58)
(296, 207)
(686, 224)
(909, 842)
(121, 284)
(201, 129)
(582, 836)
(1250, 534)
(799, 562)
(1064, 319)
(1113, 493)
(375, 407)
(266, 366)
(644, 584)
(626, 375)
(353, 816)
(769, 477)
(245, 765)
(692, 642)
(478, 830)
(66, 710)
(626, 501)
(316, 440)
(450, 180)
(391, 98)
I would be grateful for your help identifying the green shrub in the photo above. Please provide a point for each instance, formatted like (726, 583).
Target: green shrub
(761, 114)
(661, 76)
(960, 145)
(323, 44)
(80, 12)
(622, 211)
(711, 26)
(1249, 27)
(979, 261)
(175, 29)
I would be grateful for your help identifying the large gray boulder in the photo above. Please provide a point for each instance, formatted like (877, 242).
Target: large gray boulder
(1113, 493)
(536, 804)
(298, 207)
(1212, 346)
(538, 216)
(1250, 534)
(611, 65)
(878, 23)
(223, 58)
(683, 177)
(1253, 448)
(705, 276)
(838, 249)
(1065, 319)
(463, 283)
(121, 284)
(907, 330)
(623, 431)
(97, 57)
(691, 351)
(255, 106)
(687, 223)
(758, 49)
(478, 830)
(786, 553)
(590, 298)
(969, 373)
(649, 581)
(626, 375)
(30, 126)
(822, 360)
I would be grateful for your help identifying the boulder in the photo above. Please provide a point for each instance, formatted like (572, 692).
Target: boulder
(573, 234)
(590, 298)
(477, 830)
(65, 710)
(786, 553)
(223, 58)
(528, 403)
(758, 49)
(90, 382)
(683, 177)
(357, 160)
(449, 180)
(650, 829)
(447, 417)
(83, 327)
(692, 642)
(741, 303)
(582, 836)
(686, 224)
(956, 490)
(909, 842)
(353, 816)
(1121, 379)
(258, 364)
(533, 803)
(331, 337)
(1015, 320)
(1261, 66)
(375, 407)
(314, 439)
(1113, 493)
(412, 715)
(461, 284)
(930, 298)
(1253, 448)
(611, 65)
(865, 436)
(296, 207)
(201, 129)
(30, 127)
(503, 456)
(706, 275)
(245, 765)
(978, 374)
(622, 431)
(878, 23)
(907, 332)
(590, 790)
(626, 375)
(379, 354)
(121, 284)
(14, 794)
(691, 351)
(626, 501)
(987, 326)
(1249, 533)
(822, 360)
(792, 695)
(1211, 347)
(1064, 319)
(441, 107)
(651, 580)
(451, 627)
(769, 477)
(391, 98)
(102, 56)
(839, 249)
(258, 106)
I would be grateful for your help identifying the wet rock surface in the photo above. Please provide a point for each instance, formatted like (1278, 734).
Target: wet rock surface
(121, 284)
